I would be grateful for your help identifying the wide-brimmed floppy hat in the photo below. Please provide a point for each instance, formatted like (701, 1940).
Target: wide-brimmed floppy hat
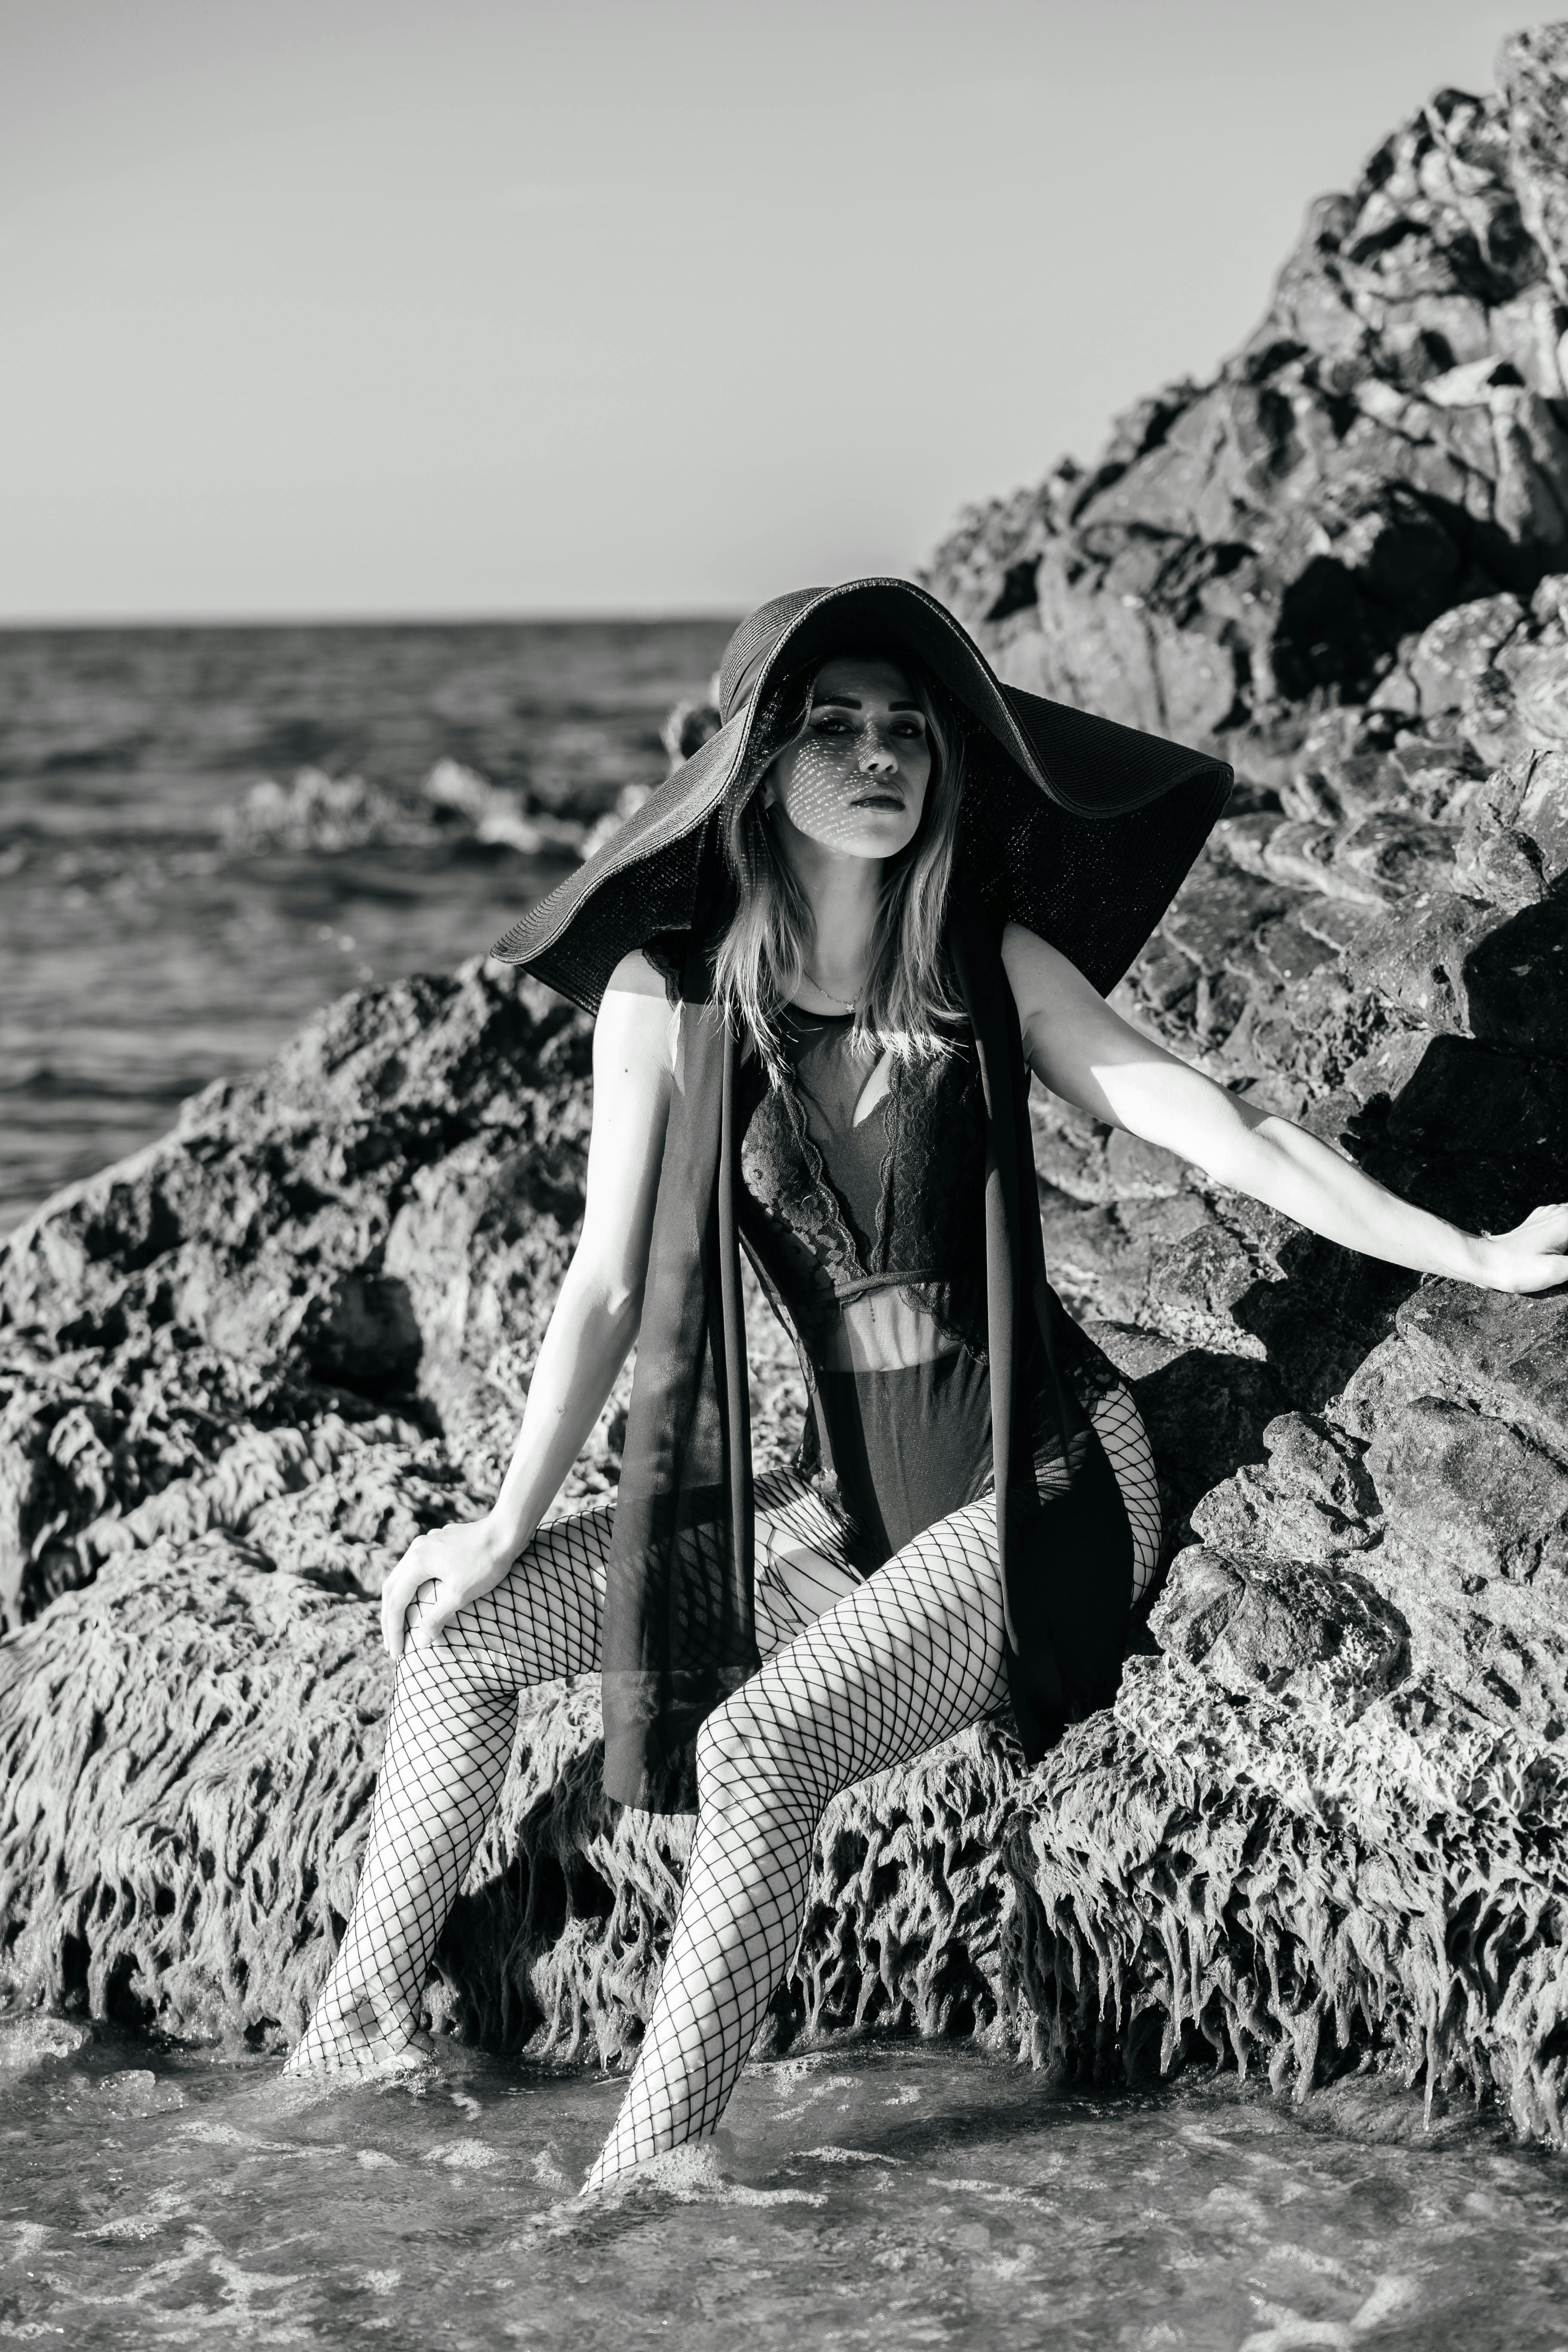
(1079, 827)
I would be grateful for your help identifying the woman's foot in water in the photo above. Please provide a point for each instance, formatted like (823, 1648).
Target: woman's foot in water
(358, 2046)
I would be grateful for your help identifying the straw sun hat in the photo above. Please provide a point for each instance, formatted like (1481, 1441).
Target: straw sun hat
(1079, 827)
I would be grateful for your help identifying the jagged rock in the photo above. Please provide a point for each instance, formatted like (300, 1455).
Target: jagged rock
(243, 1274)
(1311, 1501)
(1265, 1878)
(1325, 1824)
(1484, 1501)
(353, 1255)
(1387, 445)
(1272, 1621)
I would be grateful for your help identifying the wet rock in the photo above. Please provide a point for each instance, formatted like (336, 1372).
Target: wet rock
(323, 814)
(36, 2037)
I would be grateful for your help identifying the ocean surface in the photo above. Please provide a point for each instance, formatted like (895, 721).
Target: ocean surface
(144, 949)
(890, 2196)
(155, 934)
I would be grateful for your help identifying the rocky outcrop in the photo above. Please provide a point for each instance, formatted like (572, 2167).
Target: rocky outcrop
(1327, 1822)
(1388, 444)
(246, 1309)
(319, 812)
(306, 1317)
(190, 1748)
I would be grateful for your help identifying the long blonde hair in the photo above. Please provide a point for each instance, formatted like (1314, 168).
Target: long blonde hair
(909, 997)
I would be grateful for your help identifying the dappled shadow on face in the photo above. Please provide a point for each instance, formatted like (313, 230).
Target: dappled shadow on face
(855, 780)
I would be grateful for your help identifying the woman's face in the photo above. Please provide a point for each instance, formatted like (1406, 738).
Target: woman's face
(856, 780)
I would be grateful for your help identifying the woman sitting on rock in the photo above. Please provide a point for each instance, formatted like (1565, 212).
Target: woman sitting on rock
(825, 956)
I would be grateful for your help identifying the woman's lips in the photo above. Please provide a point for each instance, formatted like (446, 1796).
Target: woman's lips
(880, 799)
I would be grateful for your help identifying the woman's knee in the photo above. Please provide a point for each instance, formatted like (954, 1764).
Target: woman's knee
(725, 1745)
(542, 1619)
(753, 1750)
(459, 1653)
(419, 1611)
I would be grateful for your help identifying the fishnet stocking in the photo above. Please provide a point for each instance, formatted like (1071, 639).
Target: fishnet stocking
(913, 1653)
(449, 1738)
(1119, 1428)
(857, 1675)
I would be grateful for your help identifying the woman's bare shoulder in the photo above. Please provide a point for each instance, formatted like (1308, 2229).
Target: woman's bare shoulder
(636, 975)
(1031, 962)
(637, 1031)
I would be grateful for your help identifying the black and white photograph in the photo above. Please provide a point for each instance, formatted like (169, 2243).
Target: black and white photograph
(783, 1175)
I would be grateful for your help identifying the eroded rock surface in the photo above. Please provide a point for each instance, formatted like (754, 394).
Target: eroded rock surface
(189, 1745)
(1386, 446)
(1327, 1822)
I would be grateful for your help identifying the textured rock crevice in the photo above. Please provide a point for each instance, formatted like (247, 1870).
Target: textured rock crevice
(1326, 1823)
(1387, 445)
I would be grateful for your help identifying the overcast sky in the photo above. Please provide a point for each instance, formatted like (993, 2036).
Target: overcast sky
(365, 307)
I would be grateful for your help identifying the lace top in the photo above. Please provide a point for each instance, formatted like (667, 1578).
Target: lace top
(863, 1206)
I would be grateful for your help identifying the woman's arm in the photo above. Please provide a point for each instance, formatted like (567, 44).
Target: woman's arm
(596, 1312)
(1088, 1054)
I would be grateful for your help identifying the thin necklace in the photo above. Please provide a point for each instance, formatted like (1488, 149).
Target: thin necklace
(828, 992)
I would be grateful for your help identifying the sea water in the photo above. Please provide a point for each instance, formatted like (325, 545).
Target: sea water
(890, 2196)
(141, 954)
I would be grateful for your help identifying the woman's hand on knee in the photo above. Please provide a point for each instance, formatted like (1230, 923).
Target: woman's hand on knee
(462, 1561)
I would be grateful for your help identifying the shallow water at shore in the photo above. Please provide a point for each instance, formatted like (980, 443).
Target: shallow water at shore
(890, 2195)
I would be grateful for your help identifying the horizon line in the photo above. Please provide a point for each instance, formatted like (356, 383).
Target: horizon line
(542, 617)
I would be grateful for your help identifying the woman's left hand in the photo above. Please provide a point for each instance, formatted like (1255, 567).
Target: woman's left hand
(1534, 1256)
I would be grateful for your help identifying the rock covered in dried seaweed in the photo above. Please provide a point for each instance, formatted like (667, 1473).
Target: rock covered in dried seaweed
(189, 1746)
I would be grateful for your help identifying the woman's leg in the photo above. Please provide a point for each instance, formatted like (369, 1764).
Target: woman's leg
(1119, 1425)
(448, 1740)
(454, 1711)
(912, 1654)
(449, 1736)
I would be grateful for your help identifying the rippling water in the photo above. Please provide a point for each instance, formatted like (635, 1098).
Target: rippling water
(139, 957)
(894, 2196)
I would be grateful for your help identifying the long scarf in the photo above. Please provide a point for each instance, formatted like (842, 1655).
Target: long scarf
(680, 1630)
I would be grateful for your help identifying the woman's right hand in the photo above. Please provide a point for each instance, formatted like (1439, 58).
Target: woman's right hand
(463, 1560)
